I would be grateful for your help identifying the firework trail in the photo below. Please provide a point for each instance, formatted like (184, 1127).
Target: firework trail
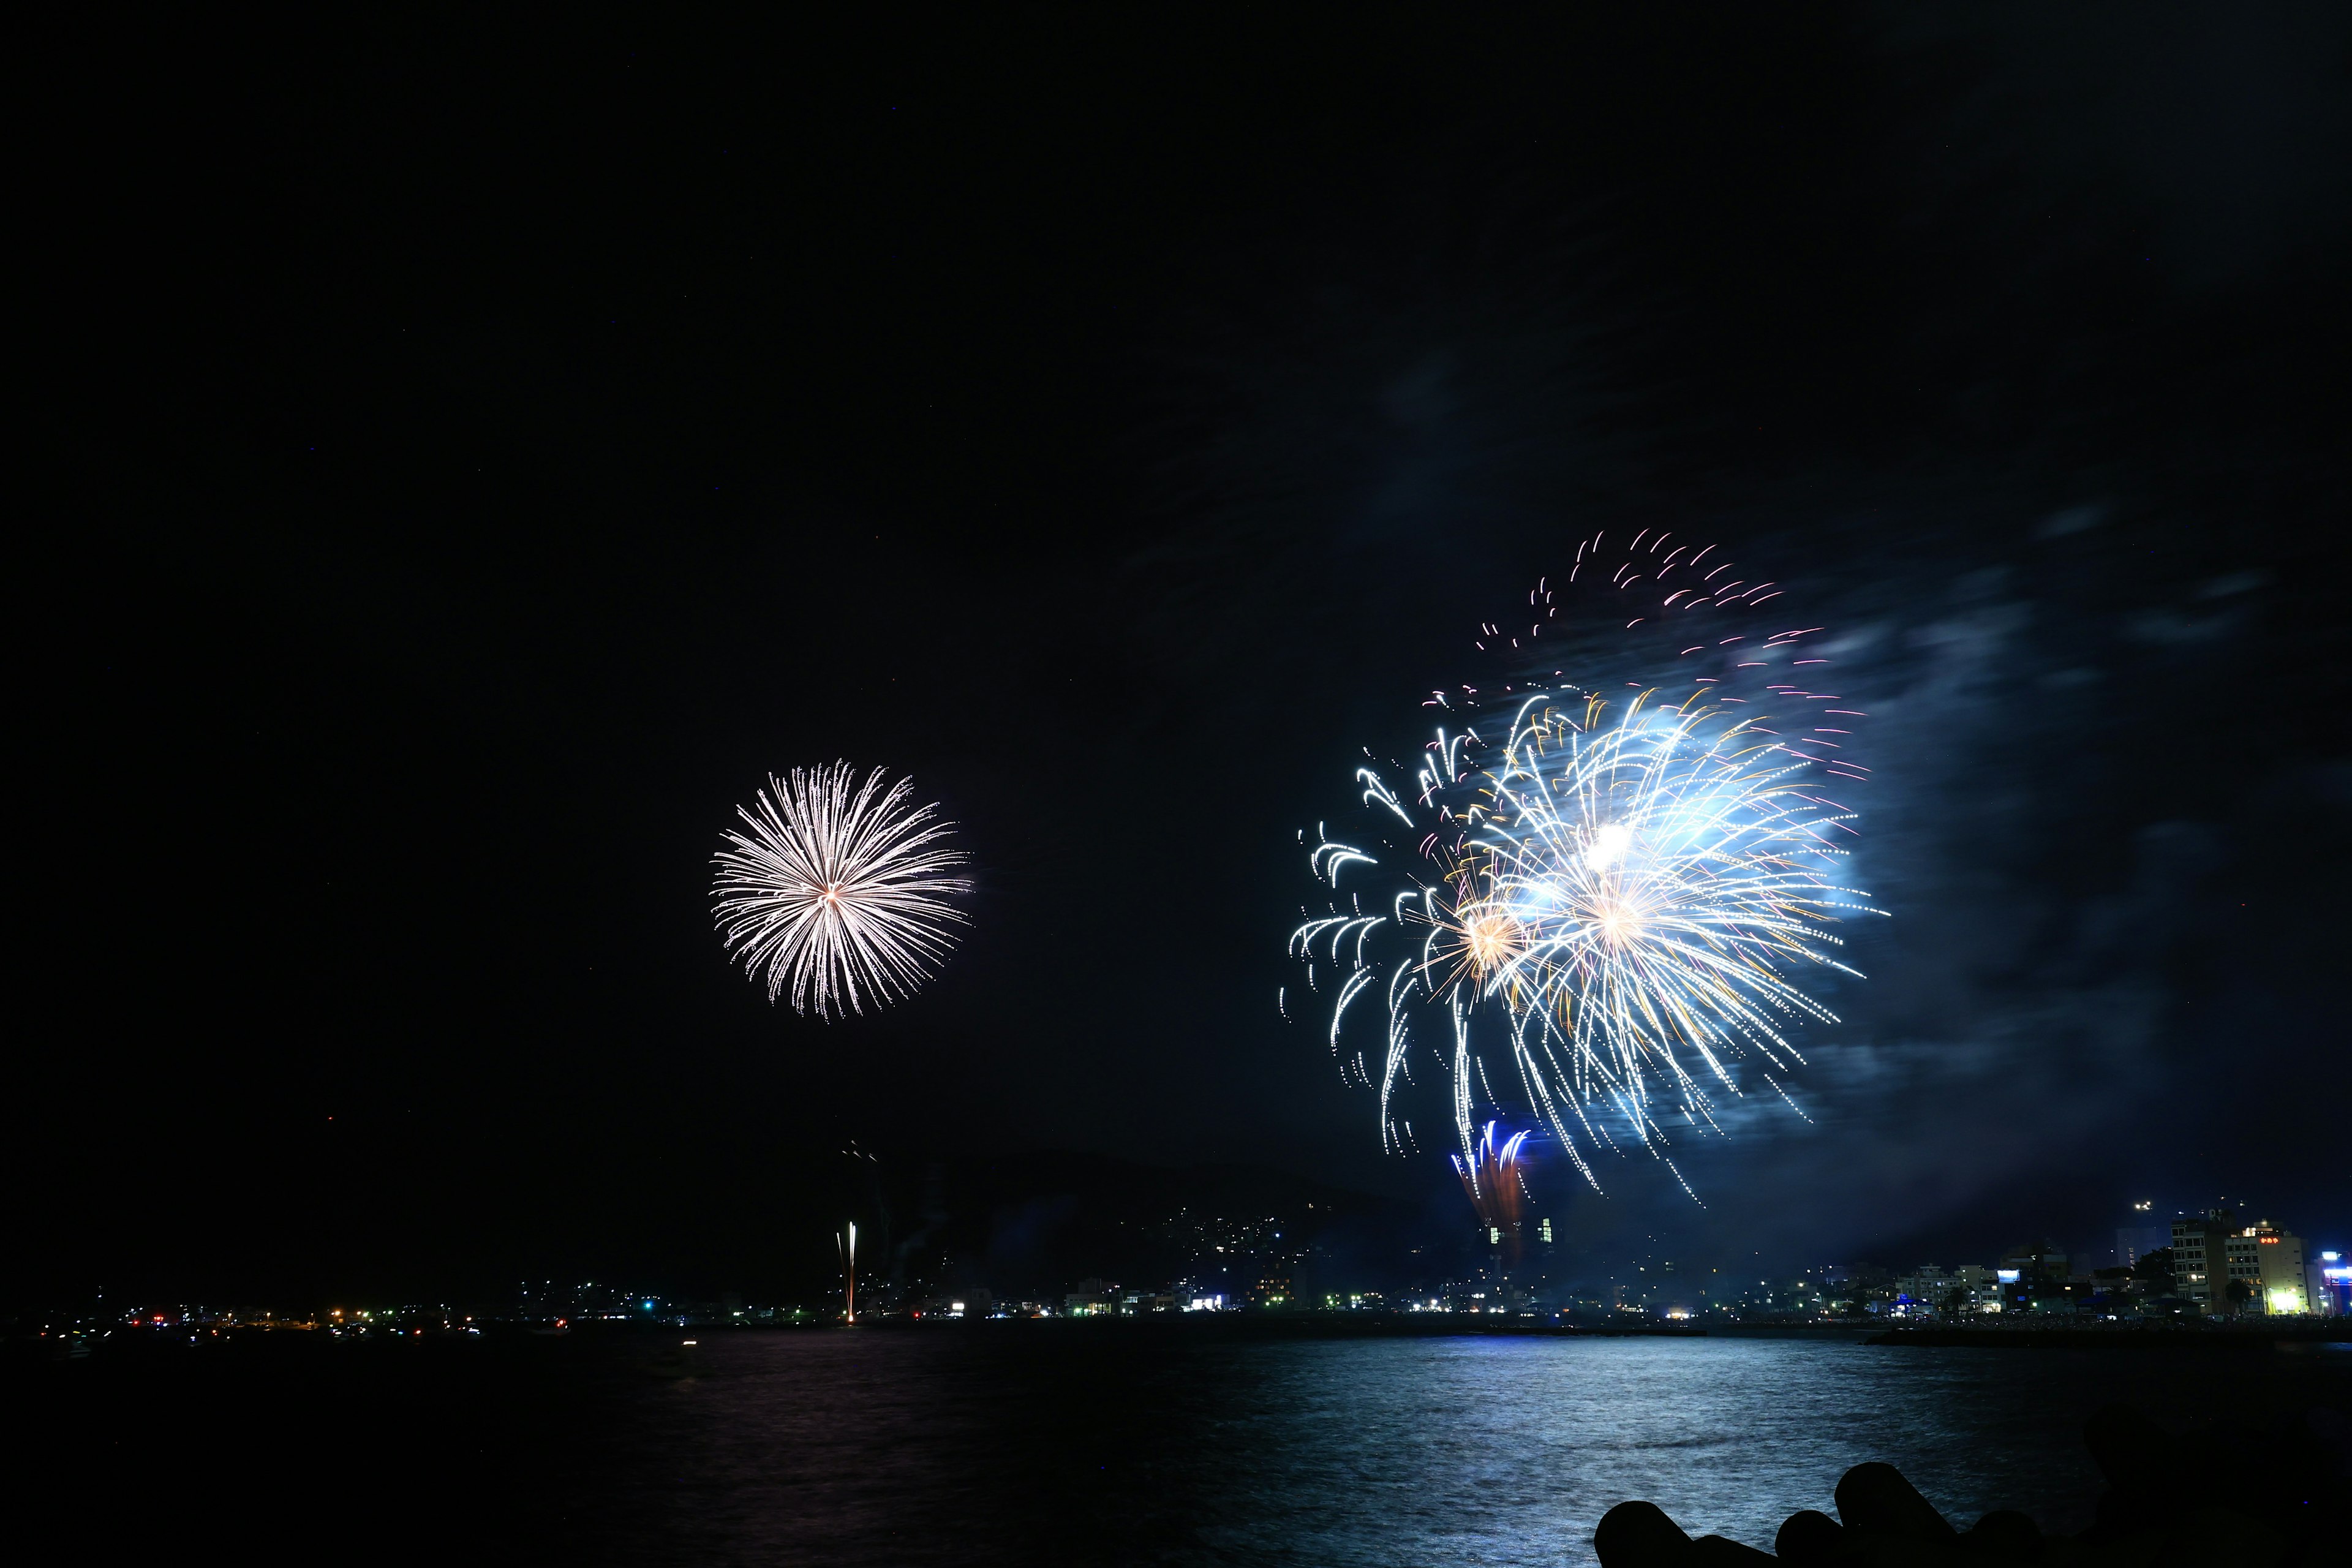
(846, 1242)
(838, 890)
(1619, 883)
(1492, 1181)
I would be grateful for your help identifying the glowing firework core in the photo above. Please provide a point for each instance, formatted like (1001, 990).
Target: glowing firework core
(1616, 923)
(1491, 939)
(1608, 846)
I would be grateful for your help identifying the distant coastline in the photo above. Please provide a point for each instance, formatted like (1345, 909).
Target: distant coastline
(2195, 1335)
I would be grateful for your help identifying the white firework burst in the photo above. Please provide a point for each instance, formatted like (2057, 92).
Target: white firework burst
(839, 891)
(1635, 886)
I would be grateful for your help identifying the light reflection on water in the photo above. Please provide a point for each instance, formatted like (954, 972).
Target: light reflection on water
(1094, 1443)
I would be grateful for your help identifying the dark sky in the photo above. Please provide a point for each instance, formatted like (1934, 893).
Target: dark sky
(474, 462)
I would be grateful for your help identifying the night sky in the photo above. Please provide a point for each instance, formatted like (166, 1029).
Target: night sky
(471, 464)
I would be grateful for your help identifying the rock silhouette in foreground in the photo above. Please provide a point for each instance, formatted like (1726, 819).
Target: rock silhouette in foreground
(2279, 1501)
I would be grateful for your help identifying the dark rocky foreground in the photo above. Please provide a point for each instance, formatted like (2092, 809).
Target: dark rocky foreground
(2278, 1500)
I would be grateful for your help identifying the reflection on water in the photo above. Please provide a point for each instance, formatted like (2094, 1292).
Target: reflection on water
(1078, 1442)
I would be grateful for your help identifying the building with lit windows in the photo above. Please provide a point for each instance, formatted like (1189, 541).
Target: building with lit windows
(1930, 1290)
(2200, 1261)
(2269, 1261)
(2213, 1252)
(2331, 1284)
(2035, 1278)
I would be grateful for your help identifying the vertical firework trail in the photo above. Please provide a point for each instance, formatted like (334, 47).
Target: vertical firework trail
(846, 1243)
(1618, 880)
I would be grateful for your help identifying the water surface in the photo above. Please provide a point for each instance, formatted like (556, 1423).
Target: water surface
(1101, 1444)
(1109, 1446)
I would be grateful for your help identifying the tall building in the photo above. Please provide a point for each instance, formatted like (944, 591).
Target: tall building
(2213, 1252)
(2200, 1270)
(2137, 1241)
(2269, 1261)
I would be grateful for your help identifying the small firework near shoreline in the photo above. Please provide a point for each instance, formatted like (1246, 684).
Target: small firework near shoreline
(840, 889)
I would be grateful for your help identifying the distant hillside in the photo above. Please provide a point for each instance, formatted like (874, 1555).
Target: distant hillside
(1035, 1223)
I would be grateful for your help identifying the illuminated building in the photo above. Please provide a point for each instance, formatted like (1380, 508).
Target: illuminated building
(2035, 1279)
(1931, 1290)
(2225, 1267)
(1543, 1286)
(2270, 1262)
(2331, 1291)
(1510, 1274)
(1274, 1287)
(1093, 1298)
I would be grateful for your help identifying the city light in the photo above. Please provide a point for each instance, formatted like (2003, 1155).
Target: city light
(1253, 1274)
